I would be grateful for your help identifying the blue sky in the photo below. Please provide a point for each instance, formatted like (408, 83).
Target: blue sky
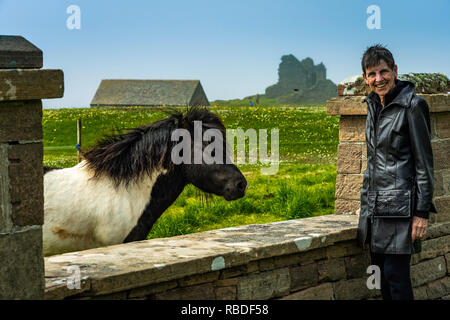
(233, 47)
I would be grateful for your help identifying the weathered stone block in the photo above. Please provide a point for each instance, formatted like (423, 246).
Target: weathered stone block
(437, 230)
(352, 129)
(356, 266)
(346, 206)
(226, 293)
(198, 279)
(303, 276)
(226, 282)
(336, 251)
(233, 272)
(443, 208)
(441, 182)
(26, 184)
(438, 288)
(266, 264)
(57, 289)
(251, 267)
(348, 186)
(310, 256)
(24, 84)
(320, 292)
(155, 288)
(347, 106)
(264, 285)
(353, 289)
(17, 52)
(331, 269)
(442, 125)
(432, 219)
(354, 249)
(437, 102)
(349, 158)
(21, 120)
(22, 266)
(344, 248)
(199, 292)
(435, 247)
(428, 271)
(440, 154)
(420, 293)
(287, 260)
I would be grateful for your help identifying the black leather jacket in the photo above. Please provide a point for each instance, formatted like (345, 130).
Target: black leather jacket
(399, 155)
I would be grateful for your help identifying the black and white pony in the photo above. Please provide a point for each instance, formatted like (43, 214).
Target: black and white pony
(126, 182)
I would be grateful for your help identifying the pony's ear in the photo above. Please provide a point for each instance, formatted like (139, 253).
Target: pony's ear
(185, 123)
(179, 120)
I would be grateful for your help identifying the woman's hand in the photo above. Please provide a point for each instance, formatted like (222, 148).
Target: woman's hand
(419, 228)
(358, 211)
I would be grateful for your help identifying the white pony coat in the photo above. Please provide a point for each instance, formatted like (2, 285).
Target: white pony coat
(81, 214)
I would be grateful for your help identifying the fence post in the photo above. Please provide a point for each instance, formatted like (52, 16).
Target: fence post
(22, 86)
(78, 139)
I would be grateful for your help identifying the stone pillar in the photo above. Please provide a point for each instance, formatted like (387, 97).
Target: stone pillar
(22, 86)
(352, 153)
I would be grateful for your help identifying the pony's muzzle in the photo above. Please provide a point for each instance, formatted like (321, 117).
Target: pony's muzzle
(236, 190)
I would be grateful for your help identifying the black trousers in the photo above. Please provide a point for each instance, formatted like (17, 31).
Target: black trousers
(395, 275)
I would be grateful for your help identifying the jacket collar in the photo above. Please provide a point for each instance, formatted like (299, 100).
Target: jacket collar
(401, 94)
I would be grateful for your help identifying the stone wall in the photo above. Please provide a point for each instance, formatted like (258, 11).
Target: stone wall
(22, 85)
(313, 258)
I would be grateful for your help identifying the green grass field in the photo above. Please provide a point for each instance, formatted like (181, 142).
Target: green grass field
(303, 186)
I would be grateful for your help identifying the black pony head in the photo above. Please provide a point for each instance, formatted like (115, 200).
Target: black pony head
(126, 157)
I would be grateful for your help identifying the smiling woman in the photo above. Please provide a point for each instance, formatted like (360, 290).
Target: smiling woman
(379, 71)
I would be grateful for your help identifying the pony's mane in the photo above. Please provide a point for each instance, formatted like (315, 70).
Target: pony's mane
(126, 157)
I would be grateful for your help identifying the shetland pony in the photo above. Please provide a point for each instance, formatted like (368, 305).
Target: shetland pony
(126, 182)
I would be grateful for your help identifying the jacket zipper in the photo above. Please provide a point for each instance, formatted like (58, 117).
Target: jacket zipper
(375, 144)
(374, 165)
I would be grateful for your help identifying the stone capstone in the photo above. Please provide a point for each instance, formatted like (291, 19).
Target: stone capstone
(17, 52)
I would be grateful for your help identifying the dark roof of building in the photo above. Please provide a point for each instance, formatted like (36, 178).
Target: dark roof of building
(149, 93)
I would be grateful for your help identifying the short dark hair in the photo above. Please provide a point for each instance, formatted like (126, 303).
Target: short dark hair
(374, 55)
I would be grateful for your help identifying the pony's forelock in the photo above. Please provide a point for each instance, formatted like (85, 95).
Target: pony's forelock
(126, 157)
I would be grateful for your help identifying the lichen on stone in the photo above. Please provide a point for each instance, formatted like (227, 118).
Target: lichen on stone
(425, 83)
